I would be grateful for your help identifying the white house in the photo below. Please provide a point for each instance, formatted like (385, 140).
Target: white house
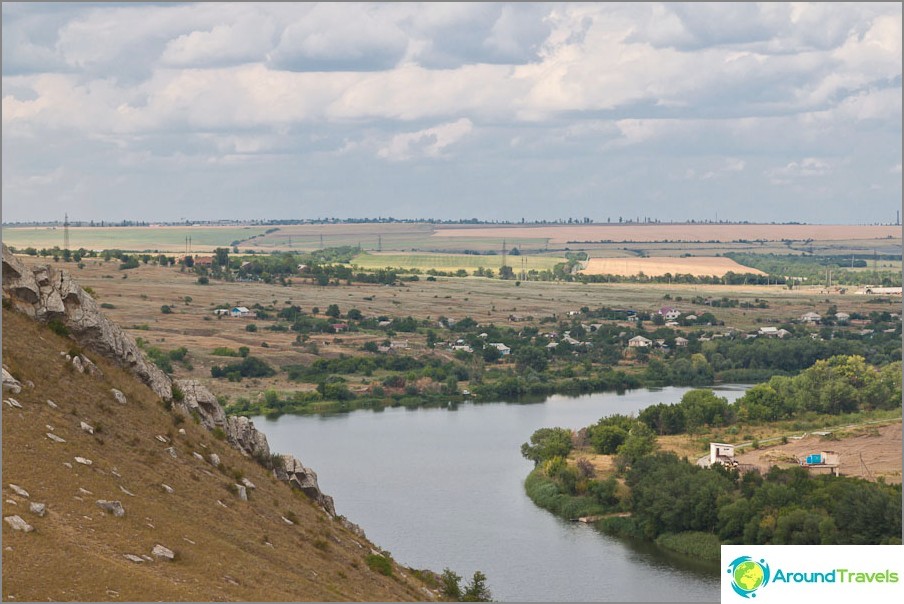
(720, 453)
(640, 342)
(221, 311)
(783, 333)
(669, 313)
(768, 331)
(842, 317)
(680, 342)
(239, 311)
(505, 350)
(811, 317)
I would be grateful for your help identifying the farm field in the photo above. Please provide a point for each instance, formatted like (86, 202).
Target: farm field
(655, 267)
(561, 234)
(602, 240)
(453, 262)
(164, 239)
(134, 298)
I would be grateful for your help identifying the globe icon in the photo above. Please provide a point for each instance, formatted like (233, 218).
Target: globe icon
(748, 575)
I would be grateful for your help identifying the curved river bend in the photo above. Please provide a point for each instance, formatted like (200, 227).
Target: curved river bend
(444, 488)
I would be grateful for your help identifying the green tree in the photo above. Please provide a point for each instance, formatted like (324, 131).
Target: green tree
(333, 311)
(222, 256)
(547, 443)
(477, 590)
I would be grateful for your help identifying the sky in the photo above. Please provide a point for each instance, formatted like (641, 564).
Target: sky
(708, 111)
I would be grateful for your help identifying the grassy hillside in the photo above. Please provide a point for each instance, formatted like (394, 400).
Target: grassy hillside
(226, 548)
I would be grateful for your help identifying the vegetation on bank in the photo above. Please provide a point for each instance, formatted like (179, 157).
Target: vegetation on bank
(691, 509)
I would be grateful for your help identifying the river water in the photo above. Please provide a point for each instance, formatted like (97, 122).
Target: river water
(443, 487)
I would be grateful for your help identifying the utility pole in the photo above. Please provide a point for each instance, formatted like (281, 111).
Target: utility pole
(66, 232)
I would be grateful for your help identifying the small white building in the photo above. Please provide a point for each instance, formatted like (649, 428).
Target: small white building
(720, 453)
(640, 342)
(398, 344)
(505, 350)
(768, 331)
(221, 311)
(842, 317)
(680, 342)
(239, 311)
(811, 317)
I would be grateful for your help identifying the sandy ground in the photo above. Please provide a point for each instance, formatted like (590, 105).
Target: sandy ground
(679, 232)
(867, 452)
(654, 267)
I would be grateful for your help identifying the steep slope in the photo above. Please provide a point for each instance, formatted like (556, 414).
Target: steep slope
(279, 544)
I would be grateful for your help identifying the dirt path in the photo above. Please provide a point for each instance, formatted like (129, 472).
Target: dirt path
(865, 451)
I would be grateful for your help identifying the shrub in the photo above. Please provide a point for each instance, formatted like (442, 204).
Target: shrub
(57, 327)
(106, 305)
(380, 564)
(251, 327)
(165, 309)
(202, 280)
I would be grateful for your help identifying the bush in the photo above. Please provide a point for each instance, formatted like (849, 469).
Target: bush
(106, 305)
(165, 309)
(202, 280)
(57, 327)
(380, 564)
(251, 327)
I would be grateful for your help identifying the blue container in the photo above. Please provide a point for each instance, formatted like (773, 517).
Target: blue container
(815, 458)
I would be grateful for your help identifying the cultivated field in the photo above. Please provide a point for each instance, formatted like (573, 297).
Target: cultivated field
(164, 239)
(453, 262)
(655, 267)
(561, 234)
(610, 240)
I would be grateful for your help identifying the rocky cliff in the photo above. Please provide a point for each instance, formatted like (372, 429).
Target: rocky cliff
(48, 294)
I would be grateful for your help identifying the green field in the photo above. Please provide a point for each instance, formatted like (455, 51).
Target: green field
(454, 262)
(164, 239)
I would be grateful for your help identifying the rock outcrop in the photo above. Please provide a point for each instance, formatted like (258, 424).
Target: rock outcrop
(48, 294)
(305, 480)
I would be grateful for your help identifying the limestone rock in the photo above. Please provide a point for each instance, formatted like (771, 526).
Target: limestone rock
(47, 293)
(18, 524)
(84, 461)
(119, 396)
(242, 492)
(86, 427)
(114, 507)
(10, 383)
(133, 558)
(305, 480)
(13, 403)
(52, 404)
(198, 399)
(168, 488)
(240, 431)
(171, 451)
(55, 438)
(197, 456)
(37, 508)
(18, 490)
(247, 483)
(163, 553)
(77, 363)
(214, 460)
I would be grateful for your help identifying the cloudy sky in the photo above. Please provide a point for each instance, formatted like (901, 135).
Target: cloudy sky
(771, 112)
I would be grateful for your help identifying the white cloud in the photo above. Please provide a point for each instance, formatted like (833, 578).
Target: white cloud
(430, 142)
(805, 168)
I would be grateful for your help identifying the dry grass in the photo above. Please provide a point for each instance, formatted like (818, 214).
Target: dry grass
(656, 267)
(76, 551)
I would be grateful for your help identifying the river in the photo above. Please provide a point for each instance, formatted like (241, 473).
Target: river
(443, 487)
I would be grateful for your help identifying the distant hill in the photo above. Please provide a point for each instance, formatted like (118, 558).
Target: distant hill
(235, 529)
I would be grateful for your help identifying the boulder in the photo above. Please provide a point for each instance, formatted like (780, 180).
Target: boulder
(52, 404)
(84, 461)
(38, 509)
(77, 363)
(55, 438)
(247, 483)
(114, 507)
(241, 491)
(18, 524)
(86, 427)
(134, 558)
(201, 401)
(10, 383)
(168, 488)
(214, 460)
(171, 451)
(305, 480)
(240, 431)
(163, 553)
(18, 490)
(119, 396)
(13, 403)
